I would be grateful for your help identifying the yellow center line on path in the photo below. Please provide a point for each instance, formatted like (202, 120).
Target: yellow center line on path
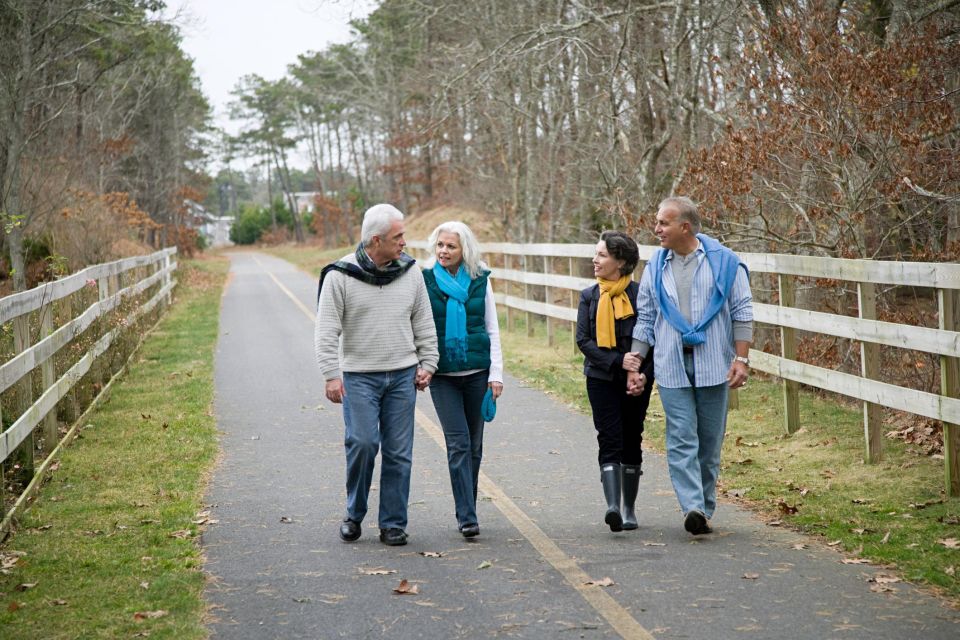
(618, 617)
(310, 314)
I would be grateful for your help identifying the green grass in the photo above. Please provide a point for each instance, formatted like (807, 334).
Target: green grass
(893, 513)
(111, 534)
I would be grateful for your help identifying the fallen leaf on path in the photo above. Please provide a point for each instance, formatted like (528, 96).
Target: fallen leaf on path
(377, 572)
(855, 561)
(486, 564)
(140, 616)
(884, 578)
(605, 582)
(286, 520)
(406, 589)
(834, 543)
(751, 576)
(799, 546)
(654, 544)
(432, 554)
(882, 588)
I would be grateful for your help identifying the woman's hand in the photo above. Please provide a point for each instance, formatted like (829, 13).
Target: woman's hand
(631, 361)
(496, 389)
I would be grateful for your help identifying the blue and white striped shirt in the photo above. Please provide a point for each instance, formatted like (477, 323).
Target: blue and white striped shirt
(711, 359)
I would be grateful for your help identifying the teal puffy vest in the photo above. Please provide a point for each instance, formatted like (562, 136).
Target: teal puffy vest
(478, 342)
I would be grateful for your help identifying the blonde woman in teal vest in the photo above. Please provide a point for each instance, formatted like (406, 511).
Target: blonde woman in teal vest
(469, 378)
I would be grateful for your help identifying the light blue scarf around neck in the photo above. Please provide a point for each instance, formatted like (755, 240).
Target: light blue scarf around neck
(724, 263)
(457, 289)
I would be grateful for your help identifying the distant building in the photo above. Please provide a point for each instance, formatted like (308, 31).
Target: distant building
(214, 229)
(306, 200)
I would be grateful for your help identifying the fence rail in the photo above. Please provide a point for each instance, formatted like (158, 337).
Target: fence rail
(31, 313)
(514, 268)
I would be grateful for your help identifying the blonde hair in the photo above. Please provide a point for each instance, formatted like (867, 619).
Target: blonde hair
(468, 243)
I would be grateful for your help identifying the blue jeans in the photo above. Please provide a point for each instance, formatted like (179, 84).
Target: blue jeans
(696, 422)
(457, 400)
(378, 415)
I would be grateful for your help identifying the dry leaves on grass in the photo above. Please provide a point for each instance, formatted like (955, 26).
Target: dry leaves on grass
(406, 589)
(182, 534)
(949, 543)
(9, 559)
(140, 616)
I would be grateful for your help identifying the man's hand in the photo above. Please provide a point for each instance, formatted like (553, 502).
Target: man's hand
(636, 382)
(631, 361)
(335, 391)
(422, 379)
(738, 374)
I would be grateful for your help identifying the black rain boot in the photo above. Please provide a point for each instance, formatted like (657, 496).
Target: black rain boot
(630, 479)
(610, 478)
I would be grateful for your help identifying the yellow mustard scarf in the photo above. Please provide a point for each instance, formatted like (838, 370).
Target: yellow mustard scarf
(614, 304)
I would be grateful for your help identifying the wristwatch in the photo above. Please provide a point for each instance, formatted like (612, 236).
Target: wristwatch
(743, 359)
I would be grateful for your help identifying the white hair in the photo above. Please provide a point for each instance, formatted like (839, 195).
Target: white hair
(468, 242)
(377, 221)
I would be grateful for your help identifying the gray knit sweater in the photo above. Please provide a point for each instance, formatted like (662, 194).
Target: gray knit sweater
(364, 327)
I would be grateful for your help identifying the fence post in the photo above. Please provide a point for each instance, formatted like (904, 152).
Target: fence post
(165, 265)
(574, 303)
(508, 260)
(48, 377)
(949, 303)
(23, 396)
(547, 300)
(788, 350)
(526, 297)
(870, 368)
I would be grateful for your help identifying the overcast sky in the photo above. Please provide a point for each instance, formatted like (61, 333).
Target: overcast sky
(228, 39)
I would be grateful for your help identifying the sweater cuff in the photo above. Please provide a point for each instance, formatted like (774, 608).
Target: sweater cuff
(641, 348)
(428, 368)
(743, 331)
(332, 374)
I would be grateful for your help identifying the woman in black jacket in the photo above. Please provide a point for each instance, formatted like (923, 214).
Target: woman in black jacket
(605, 320)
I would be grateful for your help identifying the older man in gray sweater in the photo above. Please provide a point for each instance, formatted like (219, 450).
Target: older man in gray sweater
(376, 344)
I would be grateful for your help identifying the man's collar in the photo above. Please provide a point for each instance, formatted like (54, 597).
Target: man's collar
(697, 250)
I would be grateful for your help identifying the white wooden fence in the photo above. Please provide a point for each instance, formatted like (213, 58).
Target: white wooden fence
(522, 266)
(32, 313)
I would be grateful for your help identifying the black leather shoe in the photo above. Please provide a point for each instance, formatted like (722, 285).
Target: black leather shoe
(470, 530)
(393, 537)
(696, 523)
(349, 530)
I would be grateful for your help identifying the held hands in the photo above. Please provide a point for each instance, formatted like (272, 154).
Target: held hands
(335, 391)
(636, 382)
(631, 361)
(738, 374)
(422, 379)
(496, 388)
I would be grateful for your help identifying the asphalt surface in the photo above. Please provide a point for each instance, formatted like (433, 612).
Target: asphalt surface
(278, 570)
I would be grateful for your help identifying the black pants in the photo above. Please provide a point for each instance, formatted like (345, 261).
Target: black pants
(618, 418)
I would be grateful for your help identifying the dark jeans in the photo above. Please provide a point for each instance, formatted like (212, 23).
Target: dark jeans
(457, 400)
(618, 419)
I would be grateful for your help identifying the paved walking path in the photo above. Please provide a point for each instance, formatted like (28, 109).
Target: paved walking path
(278, 569)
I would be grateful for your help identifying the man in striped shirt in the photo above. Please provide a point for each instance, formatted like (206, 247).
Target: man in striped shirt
(695, 305)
